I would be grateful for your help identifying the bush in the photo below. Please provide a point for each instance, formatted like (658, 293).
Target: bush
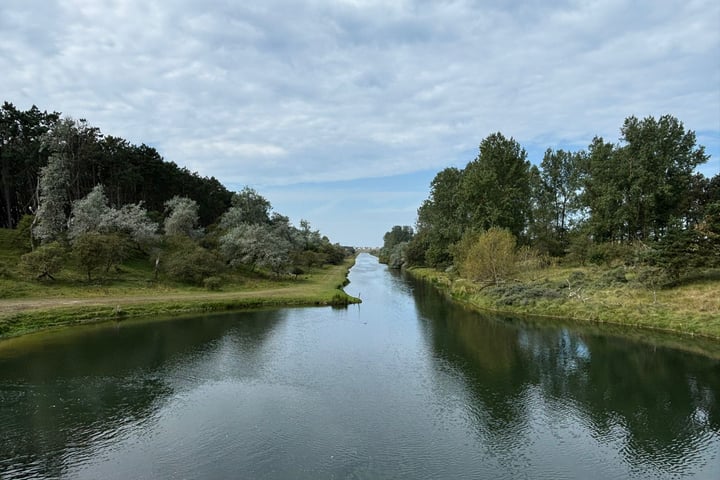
(95, 250)
(213, 283)
(491, 258)
(610, 254)
(523, 295)
(190, 263)
(44, 262)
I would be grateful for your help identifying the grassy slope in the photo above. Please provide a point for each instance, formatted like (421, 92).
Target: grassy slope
(27, 305)
(597, 295)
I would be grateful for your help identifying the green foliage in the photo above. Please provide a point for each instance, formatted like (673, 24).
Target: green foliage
(23, 233)
(333, 252)
(415, 250)
(248, 207)
(555, 197)
(637, 190)
(212, 283)
(187, 262)
(182, 217)
(440, 220)
(683, 250)
(491, 258)
(50, 220)
(610, 254)
(523, 294)
(395, 244)
(491, 191)
(461, 250)
(94, 251)
(21, 158)
(495, 187)
(44, 262)
(591, 206)
(130, 173)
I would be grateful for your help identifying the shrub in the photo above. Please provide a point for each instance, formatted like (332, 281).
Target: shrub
(95, 250)
(491, 258)
(43, 262)
(190, 263)
(212, 283)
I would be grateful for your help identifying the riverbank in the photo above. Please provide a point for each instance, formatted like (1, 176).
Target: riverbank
(65, 307)
(591, 294)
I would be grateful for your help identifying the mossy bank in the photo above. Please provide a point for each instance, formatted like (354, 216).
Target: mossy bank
(590, 294)
(319, 287)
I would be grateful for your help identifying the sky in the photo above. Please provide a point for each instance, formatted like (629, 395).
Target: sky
(341, 112)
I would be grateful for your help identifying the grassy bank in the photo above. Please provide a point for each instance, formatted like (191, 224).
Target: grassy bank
(29, 306)
(594, 294)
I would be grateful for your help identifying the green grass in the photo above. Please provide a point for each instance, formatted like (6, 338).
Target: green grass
(595, 294)
(28, 305)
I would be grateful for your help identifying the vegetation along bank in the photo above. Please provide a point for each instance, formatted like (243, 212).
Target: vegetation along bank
(97, 228)
(625, 233)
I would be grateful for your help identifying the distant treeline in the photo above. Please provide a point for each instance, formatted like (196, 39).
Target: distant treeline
(590, 205)
(129, 173)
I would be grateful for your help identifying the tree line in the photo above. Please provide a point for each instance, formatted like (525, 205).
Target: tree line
(73, 194)
(639, 197)
(130, 173)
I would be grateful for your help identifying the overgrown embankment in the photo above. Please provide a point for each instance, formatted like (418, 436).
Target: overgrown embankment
(70, 306)
(594, 294)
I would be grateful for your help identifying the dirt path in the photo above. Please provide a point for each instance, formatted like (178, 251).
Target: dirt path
(8, 306)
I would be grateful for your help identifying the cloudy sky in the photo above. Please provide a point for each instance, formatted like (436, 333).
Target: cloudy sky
(342, 111)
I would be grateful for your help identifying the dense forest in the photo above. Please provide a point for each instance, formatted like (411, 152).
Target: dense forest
(639, 200)
(77, 197)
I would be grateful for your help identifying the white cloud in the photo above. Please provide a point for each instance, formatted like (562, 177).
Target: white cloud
(282, 92)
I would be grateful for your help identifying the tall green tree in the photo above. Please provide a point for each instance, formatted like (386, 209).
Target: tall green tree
(395, 243)
(603, 184)
(638, 190)
(555, 198)
(659, 157)
(441, 220)
(495, 186)
(21, 159)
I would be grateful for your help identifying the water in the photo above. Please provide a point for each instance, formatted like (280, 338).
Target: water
(405, 385)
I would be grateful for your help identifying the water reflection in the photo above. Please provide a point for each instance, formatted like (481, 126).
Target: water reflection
(68, 395)
(662, 405)
(406, 385)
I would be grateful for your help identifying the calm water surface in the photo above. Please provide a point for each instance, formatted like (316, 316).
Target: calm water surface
(405, 385)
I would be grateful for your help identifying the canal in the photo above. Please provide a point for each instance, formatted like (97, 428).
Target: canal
(404, 385)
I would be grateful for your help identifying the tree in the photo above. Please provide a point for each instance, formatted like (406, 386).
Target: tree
(182, 217)
(659, 157)
(495, 186)
(95, 250)
(561, 178)
(255, 246)
(188, 262)
(92, 214)
(133, 221)
(50, 219)
(638, 190)
(88, 214)
(249, 207)
(602, 181)
(441, 220)
(21, 158)
(491, 257)
(44, 262)
(394, 245)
